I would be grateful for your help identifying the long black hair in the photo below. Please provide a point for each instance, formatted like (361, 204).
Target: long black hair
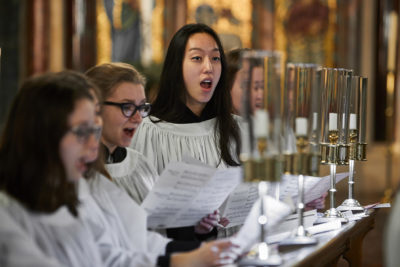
(169, 104)
(31, 169)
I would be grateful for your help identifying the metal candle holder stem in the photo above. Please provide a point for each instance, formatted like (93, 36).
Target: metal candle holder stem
(356, 137)
(352, 157)
(350, 203)
(301, 165)
(301, 120)
(332, 159)
(264, 170)
(334, 131)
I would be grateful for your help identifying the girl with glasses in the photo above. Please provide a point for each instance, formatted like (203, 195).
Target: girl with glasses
(123, 109)
(191, 114)
(44, 150)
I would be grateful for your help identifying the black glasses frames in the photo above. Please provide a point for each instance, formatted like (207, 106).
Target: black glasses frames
(129, 109)
(83, 132)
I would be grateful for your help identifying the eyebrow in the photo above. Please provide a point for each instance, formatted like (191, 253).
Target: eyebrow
(130, 101)
(200, 49)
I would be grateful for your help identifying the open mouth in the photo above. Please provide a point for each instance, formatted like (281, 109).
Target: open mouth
(82, 166)
(259, 105)
(129, 131)
(206, 84)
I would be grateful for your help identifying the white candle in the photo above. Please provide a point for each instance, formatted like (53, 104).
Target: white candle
(353, 121)
(301, 126)
(314, 123)
(332, 122)
(343, 120)
(262, 188)
(261, 123)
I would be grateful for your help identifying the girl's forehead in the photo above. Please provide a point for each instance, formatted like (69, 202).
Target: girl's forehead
(202, 39)
(84, 111)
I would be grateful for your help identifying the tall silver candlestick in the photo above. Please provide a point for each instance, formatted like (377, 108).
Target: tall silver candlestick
(299, 89)
(334, 130)
(356, 103)
(262, 158)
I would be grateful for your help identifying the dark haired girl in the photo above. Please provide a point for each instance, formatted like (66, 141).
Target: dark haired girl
(191, 114)
(43, 153)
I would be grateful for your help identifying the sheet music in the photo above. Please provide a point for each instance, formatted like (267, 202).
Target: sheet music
(314, 187)
(377, 206)
(239, 203)
(249, 234)
(185, 193)
(243, 197)
(190, 160)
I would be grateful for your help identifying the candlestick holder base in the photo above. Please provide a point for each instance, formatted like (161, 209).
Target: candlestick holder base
(299, 237)
(333, 214)
(350, 204)
(261, 255)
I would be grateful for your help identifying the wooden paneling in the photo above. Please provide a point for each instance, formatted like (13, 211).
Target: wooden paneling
(174, 18)
(37, 36)
(80, 34)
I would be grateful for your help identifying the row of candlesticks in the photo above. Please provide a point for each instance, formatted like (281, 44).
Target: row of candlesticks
(312, 115)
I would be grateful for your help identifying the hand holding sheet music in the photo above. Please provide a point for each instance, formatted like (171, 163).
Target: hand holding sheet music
(314, 187)
(185, 193)
(239, 203)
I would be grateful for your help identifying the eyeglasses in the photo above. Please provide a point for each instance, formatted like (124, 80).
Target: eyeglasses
(83, 132)
(129, 109)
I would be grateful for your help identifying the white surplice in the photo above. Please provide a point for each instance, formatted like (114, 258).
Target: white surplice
(17, 248)
(165, 142)
(119, 225)
(135, 174)
(40, 239)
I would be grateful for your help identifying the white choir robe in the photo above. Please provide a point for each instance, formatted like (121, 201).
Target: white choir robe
(40, 239)
(17, 248)
(165, 142)
(135, 174)
(119, 225)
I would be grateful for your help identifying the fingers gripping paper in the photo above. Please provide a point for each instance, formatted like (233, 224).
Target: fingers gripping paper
(185, 193)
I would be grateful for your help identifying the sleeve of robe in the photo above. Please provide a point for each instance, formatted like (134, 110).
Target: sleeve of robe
(17, 248)
(58, 234)
(120, 227)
